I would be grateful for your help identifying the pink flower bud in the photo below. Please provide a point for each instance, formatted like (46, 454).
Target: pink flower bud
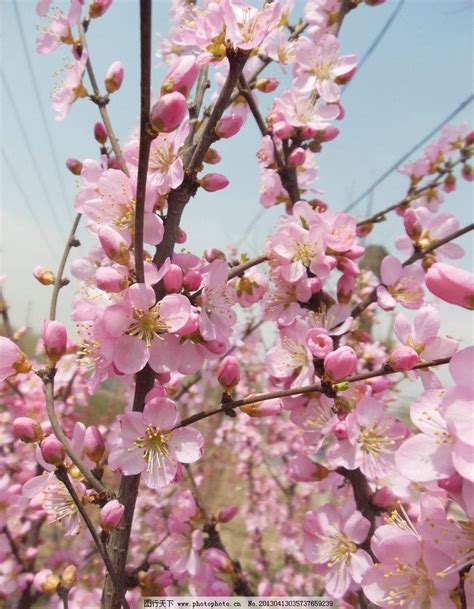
(54, 337)
(219, 560)
(340, 363)
(114, 77)
(267, 85)
(467, 172)
(263, 409)
(453, 484)
(173, 279)
(319, 343)
(31, 553)
(282, 130)
(111, 515)
(43, 275)
(302, 469)
(28, 430)
(413, 226)
(168, 113)
(97, 8)
(228, 126)
(340, 431)
(74, 166)
(343, 79)
(114, 245)
(383, 497)
(110, 280)
(449, 184)
(213, 182)
(212, 253)
(403, 358)
(181, 76)
(374, 2)
(297, 157)
(345, 286)
(12, 359)
(228, 373)
(227, 514)
(192, 280)
(451, 284)
(212, 157)
(53, 451)
(100, 133)
(94, 446)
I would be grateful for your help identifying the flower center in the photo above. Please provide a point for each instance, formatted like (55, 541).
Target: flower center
(341, 551)
(155, 446)
(303, 252)
(147, 324)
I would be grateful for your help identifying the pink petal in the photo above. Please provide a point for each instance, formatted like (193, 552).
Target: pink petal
(130, 354)
(161, 413)
(422, 459)
(186, 443)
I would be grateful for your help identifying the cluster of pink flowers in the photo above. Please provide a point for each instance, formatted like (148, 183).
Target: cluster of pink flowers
(341, 484)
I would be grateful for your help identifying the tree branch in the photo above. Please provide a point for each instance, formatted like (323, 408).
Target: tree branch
(315, 388)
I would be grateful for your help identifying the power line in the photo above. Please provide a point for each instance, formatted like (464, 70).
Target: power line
(413, 149)
(40, 104)
(377, 39)
(30, 153)
(30, 208)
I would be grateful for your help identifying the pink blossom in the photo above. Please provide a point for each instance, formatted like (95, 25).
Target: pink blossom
(399, 285)
(216, 315)
(111, 515)
(72, 88)
(319, 64)
(54, 337)
(165, 165)
(291, 360)
(114, 77)
(340, 363)
(168, 113)
(246, 26)
(330, 542)
(228, 373)
(181, 76)
(151, 446)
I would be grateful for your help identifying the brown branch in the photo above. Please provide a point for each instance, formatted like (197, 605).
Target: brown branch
(62, 476)
(58, 280)
(315, 388)
(240, 269)
(146, 136)
(7, 327)
(241, 586)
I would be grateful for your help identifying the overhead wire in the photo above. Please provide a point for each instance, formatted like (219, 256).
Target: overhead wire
(16, 180)
(39, 104)
(407, 154)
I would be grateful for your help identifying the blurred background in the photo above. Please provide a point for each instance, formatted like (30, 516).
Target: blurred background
(418, 74)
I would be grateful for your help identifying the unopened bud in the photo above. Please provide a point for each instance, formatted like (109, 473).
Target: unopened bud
(212, 182)
(43, 275)
(219, 560)
(212, 157)
(340, 363)
(449, 184)
(263, 409)
(98, 7)
(403, 358)
(212, 253)
(110, 280)
(228, 373)
(69, 576)
(111, 515)
(74, 166)
(227, 514)
(27, 430)
(383, 497)
(54, 337)
(181, 76)
(168, 113)
(297, 157)
(228, 126)
(53, 451)
(114, 245)
(50, 583)
(114, 77)
(94, 446)
(100, 133)
(267, 85)
(173, 279)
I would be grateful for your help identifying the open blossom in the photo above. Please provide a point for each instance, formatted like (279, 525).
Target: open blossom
(152, 447)
(373, 436)
(137, 324)
(297, 109)
(247, 26)
(216, 316)
(331, 535)
(291, 360)
(72, 87)
(319, 64)
(399, 285)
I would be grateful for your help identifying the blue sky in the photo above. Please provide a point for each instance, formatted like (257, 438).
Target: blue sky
(420, 72)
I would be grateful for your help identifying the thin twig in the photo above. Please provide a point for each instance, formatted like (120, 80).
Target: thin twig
(315, 388)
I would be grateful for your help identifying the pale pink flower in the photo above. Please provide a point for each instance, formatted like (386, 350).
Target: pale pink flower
(183, 548)
(12, 359)
(296, 109)
(152, 447)
(137, 324)
(399, 284)
(319, 64)
(72, 87)
(247, 26)
(217, 316)
(331, 538)
(291, 360)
